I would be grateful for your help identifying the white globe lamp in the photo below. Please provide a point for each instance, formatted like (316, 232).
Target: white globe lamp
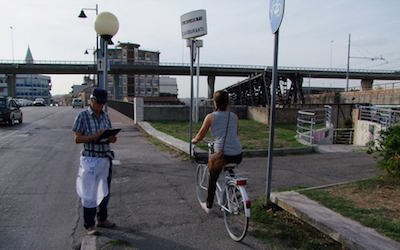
(106, 25)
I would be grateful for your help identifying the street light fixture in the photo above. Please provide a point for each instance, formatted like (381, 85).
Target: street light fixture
(83, 15)
(106, 26)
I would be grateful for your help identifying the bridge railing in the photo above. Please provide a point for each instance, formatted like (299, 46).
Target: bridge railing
(233, 66)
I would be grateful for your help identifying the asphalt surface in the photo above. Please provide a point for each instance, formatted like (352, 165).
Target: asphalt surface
(154, 200)
(38, 204)
(153, 193)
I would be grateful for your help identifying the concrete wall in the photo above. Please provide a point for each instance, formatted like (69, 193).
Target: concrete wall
(365, 131)
(323, 136)
(377, 96)
(181, 112)
(282, 115)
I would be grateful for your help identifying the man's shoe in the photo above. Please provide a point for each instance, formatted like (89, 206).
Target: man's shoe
(92, 231)
(205, 208)
(105, 224)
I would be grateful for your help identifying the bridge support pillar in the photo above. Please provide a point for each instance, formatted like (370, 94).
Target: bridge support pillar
(211, 85)
(366, 84)
(116, 86)
(12, 85)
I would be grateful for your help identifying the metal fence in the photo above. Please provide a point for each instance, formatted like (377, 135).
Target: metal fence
(386, 117)
(343, 136)
(310, 120)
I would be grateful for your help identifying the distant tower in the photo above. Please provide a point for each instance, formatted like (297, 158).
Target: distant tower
(28, 56)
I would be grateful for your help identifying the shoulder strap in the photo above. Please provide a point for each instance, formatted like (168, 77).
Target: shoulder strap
(226, 131)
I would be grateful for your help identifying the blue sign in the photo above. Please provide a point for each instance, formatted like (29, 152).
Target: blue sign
(276, 8)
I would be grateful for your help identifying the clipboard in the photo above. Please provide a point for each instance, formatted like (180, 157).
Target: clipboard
(107, 133)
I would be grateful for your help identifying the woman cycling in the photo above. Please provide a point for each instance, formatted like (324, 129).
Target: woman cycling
(218, 121)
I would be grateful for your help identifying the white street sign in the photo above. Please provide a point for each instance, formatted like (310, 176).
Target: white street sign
(194, 24)
(276, 9)
(100, 64)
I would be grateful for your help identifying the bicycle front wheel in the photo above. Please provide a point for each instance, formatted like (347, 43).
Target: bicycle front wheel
(235, 219)
(202, 176)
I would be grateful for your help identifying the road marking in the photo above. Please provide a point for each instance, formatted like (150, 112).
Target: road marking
(116, 162)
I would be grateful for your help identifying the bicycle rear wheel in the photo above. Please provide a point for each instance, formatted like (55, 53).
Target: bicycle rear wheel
(235, 219)
(202, 176)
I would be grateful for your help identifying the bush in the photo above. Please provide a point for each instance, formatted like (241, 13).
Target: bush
(388, 151)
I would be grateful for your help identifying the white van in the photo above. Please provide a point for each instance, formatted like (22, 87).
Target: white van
(77, 102)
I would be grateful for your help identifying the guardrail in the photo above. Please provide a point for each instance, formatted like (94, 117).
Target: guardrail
(379, 86)
(386, 117)
(308, 121)
(343, 135)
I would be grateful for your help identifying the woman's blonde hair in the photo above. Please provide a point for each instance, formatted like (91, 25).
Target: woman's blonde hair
(221, 99)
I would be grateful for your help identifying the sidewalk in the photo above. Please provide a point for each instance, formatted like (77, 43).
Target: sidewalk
(154, 205)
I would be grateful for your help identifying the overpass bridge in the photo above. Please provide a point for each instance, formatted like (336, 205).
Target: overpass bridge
(259, 76)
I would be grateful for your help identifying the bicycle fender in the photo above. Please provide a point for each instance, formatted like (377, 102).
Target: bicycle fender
(246, 199)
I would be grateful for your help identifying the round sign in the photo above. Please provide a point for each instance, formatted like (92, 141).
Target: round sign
(276, 8)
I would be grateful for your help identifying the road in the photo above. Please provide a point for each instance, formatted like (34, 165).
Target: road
(153, 200)
(38, 204)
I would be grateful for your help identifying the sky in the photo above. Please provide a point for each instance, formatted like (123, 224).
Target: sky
(314, 33)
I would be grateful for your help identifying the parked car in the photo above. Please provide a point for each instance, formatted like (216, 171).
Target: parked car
(77, 102)
(9, 111)
(39, 102)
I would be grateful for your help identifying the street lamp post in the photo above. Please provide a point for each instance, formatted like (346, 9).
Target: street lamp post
(94, 59)
(12, 41)
(83, 15)
(330, 62)
(106, 26)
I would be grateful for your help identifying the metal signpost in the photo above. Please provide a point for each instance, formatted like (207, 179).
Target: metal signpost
(193, 25)
(276, 9)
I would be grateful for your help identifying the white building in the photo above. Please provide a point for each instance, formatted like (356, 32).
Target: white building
(28, 86)
(168, 86)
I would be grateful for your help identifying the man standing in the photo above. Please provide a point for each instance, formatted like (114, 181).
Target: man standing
(95, 170)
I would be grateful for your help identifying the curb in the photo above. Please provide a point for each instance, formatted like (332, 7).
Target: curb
(184, 146)
(89, 242)
(349, 233)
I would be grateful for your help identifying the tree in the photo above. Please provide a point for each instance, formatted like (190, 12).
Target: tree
(388, 150)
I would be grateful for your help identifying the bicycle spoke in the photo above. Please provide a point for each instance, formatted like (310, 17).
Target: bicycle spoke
(235, 219)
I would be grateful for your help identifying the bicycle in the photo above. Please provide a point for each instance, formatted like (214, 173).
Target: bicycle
(231, 194)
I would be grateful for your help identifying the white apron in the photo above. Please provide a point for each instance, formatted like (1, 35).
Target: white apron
(91, 183)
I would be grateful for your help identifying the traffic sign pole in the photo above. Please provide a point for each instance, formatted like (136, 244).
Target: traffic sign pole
(276, 9)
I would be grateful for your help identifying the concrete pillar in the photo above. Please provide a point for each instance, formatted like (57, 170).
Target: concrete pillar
(366, 84)
(12, 85)
(116, 87)
(211, 85)
(138, 109)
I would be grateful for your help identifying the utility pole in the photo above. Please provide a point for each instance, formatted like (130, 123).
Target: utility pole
(348, 65)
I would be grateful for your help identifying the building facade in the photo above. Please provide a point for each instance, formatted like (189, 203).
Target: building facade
(28, 86)
(168, 86)
(126, 87)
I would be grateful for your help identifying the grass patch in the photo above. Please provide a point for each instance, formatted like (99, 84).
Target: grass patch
(253, 135)
(281, 230)
(373, 203)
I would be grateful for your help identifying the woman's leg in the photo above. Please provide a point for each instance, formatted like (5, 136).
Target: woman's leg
(212, 185)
